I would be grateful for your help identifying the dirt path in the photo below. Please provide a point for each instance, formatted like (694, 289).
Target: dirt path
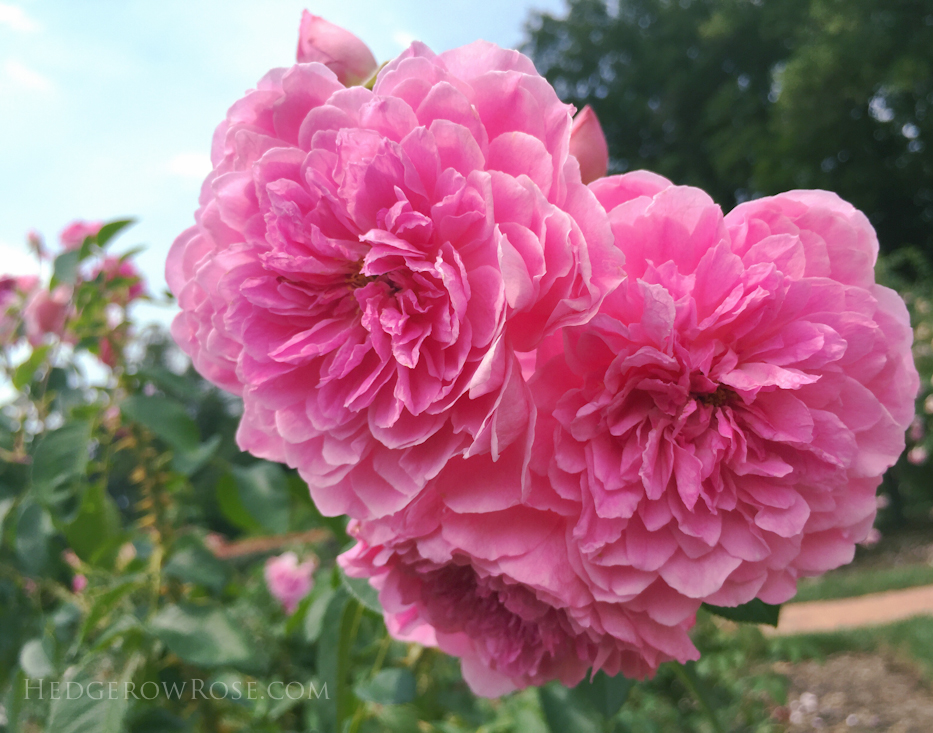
(847, 613)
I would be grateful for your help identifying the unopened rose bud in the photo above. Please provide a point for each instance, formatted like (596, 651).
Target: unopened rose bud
(917, 455)
(71, 558)
(78, 583)
(872, 538)
(36, 244)
(588, 145)
(338, 49)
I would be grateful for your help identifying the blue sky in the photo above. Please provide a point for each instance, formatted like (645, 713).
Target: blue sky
(107, 106)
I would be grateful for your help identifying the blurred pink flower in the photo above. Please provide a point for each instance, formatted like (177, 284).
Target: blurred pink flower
(917, 429)
(113, 267)
(588, 145)
(917, 455)
(76, 232)
(78, 583)
(368, 266)
(71, 558)
(288, 581)
(338, 49)
(723, 423)
(14, 291)
(872, 538)
(499, 590)
(46, 313)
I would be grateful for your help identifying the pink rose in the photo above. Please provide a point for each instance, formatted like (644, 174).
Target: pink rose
(499, 590)
(114, 268)
(338, 49)
(723, 423)
(46, 313)
(14, 291)
(76, 232)
(588, 145)
(368, 266)
(78, 583)
(288, 581)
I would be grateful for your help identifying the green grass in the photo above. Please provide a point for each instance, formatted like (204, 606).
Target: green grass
(912, 638)
(851, 582)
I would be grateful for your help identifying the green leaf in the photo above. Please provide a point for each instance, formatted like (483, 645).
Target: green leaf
(24, 373)
(107, 601)
(60, 456)
(363, 592)
(687, 674)
(76, 710)
(65, 269)
(606, 695)
(14, 702)
(96, 525)
(753, 612)
(228, 498)
(319, 601)
(189, 463)
(34, 531)
(206, 636)
(166, 418)
(263, 491)
(5, 506)
(388, 687)
(334, 647)
(562, 713)
(178, 386)
(109, 230)
(191, 562)
(36, 658)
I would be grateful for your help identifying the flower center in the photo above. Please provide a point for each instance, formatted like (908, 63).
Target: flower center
(722, 396)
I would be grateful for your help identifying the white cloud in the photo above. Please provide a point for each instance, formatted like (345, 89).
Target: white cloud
(189, 165)
(403, 38)
(15, 18)
(22, 76)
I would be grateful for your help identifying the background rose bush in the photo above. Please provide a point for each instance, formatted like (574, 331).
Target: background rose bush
(149, 513)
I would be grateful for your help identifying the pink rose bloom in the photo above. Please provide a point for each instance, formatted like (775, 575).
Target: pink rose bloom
(338, 49)
(499, 590)
(588, 145)
(723, 423)
(14, 291)
(368, 266)
(46, 312)
(78, 583)
(288, 581)
(76, 232)
(113, 268)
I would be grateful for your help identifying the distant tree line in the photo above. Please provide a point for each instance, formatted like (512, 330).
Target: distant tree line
(746, 98)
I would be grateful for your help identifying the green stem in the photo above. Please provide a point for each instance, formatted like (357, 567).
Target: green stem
(688, 679)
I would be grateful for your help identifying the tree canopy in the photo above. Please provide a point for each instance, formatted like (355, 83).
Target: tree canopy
(746, 98)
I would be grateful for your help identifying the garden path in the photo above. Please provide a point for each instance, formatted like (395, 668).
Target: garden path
(847, 613)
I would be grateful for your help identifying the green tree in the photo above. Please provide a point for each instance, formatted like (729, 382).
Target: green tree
(752, 97)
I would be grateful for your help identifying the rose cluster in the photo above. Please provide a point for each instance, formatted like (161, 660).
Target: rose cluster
(46, 311)
(562, 409)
